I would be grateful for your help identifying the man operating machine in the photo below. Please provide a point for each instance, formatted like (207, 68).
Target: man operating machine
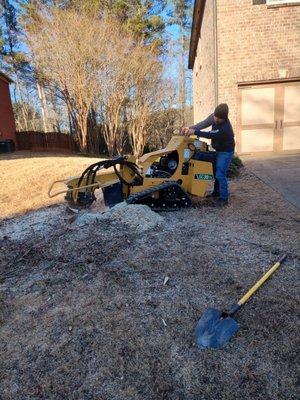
(222, 140)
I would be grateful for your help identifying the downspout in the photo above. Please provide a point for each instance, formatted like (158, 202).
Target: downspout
(215, 25)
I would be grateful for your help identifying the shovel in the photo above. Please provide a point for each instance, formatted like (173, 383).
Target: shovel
(215, 328)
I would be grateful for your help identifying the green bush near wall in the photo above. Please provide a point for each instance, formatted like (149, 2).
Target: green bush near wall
(235, 167)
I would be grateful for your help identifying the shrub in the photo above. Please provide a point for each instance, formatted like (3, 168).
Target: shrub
(235, 167)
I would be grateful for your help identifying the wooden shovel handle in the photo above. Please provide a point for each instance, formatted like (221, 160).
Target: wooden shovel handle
(262, 280)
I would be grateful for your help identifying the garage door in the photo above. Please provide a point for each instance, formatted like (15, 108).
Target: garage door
(290, 123)
(269, 118)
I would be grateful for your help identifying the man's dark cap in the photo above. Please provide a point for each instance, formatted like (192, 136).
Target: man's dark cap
(222, 111)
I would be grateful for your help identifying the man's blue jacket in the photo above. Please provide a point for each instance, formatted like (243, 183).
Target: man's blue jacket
(221, 135)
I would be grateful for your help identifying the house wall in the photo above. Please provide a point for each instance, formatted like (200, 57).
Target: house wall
(7, 121)
(204, 67)
(255, 43)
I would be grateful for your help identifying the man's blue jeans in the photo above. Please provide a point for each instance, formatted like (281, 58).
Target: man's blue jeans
(223, 161)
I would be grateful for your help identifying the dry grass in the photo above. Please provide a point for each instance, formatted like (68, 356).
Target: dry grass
(83, 302)
(25, 178)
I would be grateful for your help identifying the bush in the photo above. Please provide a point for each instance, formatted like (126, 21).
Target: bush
(235, 167)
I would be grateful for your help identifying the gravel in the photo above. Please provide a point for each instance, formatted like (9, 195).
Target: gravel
(87, 312)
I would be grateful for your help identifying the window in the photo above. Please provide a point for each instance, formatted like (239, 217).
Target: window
(275, 2)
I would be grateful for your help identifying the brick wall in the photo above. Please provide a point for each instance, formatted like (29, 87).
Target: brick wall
(204, 67)
(7, 121)
(255, 43)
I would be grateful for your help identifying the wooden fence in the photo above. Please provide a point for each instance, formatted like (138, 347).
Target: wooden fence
(50, 141)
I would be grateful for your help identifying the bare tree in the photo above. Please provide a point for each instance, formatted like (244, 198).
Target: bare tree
(115, 84)
(67, 48)
(146, 95)
(44, 105)
(102, 71)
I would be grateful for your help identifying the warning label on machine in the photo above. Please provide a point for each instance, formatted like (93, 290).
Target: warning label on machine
(204, 177)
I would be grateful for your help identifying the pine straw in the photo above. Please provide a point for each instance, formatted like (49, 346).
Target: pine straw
(85, 313)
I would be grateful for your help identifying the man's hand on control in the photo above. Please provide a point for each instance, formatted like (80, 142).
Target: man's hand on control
(187, 131)
(190, 132)
(184, 130)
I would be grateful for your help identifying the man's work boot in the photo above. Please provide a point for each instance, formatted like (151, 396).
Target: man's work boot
(220, 203)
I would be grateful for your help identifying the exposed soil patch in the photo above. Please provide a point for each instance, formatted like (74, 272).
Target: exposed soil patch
(85, 313)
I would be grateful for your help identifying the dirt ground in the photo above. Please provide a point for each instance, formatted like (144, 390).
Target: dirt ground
(85, 313)
(26, 176)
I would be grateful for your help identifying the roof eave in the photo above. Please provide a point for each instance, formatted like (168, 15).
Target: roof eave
(199, 7)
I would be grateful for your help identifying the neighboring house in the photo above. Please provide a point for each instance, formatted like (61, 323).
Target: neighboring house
(7, 121)
(247, 53)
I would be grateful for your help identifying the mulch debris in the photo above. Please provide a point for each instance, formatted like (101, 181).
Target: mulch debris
(103, 305)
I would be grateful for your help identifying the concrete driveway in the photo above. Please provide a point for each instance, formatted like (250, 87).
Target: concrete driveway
(282, 173)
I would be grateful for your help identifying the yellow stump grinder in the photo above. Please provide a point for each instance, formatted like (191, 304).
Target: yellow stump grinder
(163, 180)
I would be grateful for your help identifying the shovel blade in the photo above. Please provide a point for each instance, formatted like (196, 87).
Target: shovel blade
(214, 331)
